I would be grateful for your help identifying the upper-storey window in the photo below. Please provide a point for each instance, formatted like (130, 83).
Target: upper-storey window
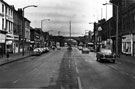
(6, 10)
(9, 11)
(2, 8)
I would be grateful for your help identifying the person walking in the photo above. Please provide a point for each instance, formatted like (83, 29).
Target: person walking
(7, 55)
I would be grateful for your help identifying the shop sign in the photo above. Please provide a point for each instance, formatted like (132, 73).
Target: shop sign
(8, 42)
(2, 38)
(32, 42)
(127, 38)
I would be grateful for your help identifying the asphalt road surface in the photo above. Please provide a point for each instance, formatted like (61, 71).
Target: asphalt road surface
(34, 72)
(103, 75)
(65, 69)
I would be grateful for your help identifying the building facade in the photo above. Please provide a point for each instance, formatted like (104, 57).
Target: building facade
(27, 34)
(126, 25)
(11, 29)
(6, 26)
(35, 36)
(17, 30)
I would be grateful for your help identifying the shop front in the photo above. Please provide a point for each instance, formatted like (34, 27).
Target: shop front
(2, 43)
(9, 43)
(16, 44)
(127, 44)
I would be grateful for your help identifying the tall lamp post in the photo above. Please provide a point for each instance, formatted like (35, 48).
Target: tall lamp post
(106, 9)
(23, 26)
(42, 27)
(95, 34)
(117, 19)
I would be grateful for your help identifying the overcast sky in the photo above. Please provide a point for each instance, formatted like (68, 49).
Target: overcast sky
(60, 12)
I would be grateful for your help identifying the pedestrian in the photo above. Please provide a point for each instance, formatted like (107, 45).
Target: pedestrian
(1, 52)
(7, 55)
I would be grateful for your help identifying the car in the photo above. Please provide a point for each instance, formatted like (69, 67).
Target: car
(106, 54)
(85, 50)
(91, 49)
(80, 47)
(58, 48)
(47, 49)
(36, 52)
(53, 47)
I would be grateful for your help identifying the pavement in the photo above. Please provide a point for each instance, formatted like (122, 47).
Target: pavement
(13, 57)
(126, 58)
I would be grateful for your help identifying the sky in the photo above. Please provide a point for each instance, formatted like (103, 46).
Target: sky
(60, 12)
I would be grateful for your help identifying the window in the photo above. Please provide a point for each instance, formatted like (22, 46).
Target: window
(2, 23)
(6, 10)
(2, 8)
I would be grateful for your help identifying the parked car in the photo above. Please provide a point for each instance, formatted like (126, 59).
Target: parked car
(58, 48)
(53, 47)
(80, 47)
(37, 52)
(85, 50)
(106, 54)
(47, 49)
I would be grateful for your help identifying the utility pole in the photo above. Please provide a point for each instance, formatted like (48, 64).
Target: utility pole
(70, 34)
(70, 29)
(23, 27)
(117, 34)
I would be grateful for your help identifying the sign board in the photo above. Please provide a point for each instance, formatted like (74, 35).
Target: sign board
(2, 38)
(8, 42)
(99, 29)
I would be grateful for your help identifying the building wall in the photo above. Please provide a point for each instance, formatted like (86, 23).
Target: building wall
(27, 30)
(17, 29)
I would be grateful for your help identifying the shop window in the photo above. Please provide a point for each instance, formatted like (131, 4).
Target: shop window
(2, 23)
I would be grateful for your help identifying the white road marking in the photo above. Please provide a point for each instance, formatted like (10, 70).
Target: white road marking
(69, 64)
(77, 70)
(75, 63)
(79, 83)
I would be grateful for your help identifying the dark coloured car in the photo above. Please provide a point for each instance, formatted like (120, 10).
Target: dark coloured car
(106, 54)
(85, 50)
(37, 52)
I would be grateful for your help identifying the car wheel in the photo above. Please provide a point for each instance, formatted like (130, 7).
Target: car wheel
(113, 61)
(97, 59)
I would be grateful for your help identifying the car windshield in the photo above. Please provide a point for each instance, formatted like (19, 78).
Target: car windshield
(106, 51)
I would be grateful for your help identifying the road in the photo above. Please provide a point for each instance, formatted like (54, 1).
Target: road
(103, 75)
(63, 69)
(34, 72)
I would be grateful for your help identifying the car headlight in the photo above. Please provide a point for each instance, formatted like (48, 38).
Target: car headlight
(103, 55)
(114, 55)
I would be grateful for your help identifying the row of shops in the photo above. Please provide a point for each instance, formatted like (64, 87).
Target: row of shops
(10, 43)
(127, 45)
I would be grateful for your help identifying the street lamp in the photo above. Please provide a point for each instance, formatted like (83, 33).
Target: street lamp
(95, 34)
(23, 26)
(106, 9)
(117, 17)
(42, 22)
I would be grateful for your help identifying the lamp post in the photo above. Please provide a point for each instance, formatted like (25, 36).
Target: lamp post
(42, 22)
(106, 9)
(23, 26)
(117, 19)
(95, 34)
